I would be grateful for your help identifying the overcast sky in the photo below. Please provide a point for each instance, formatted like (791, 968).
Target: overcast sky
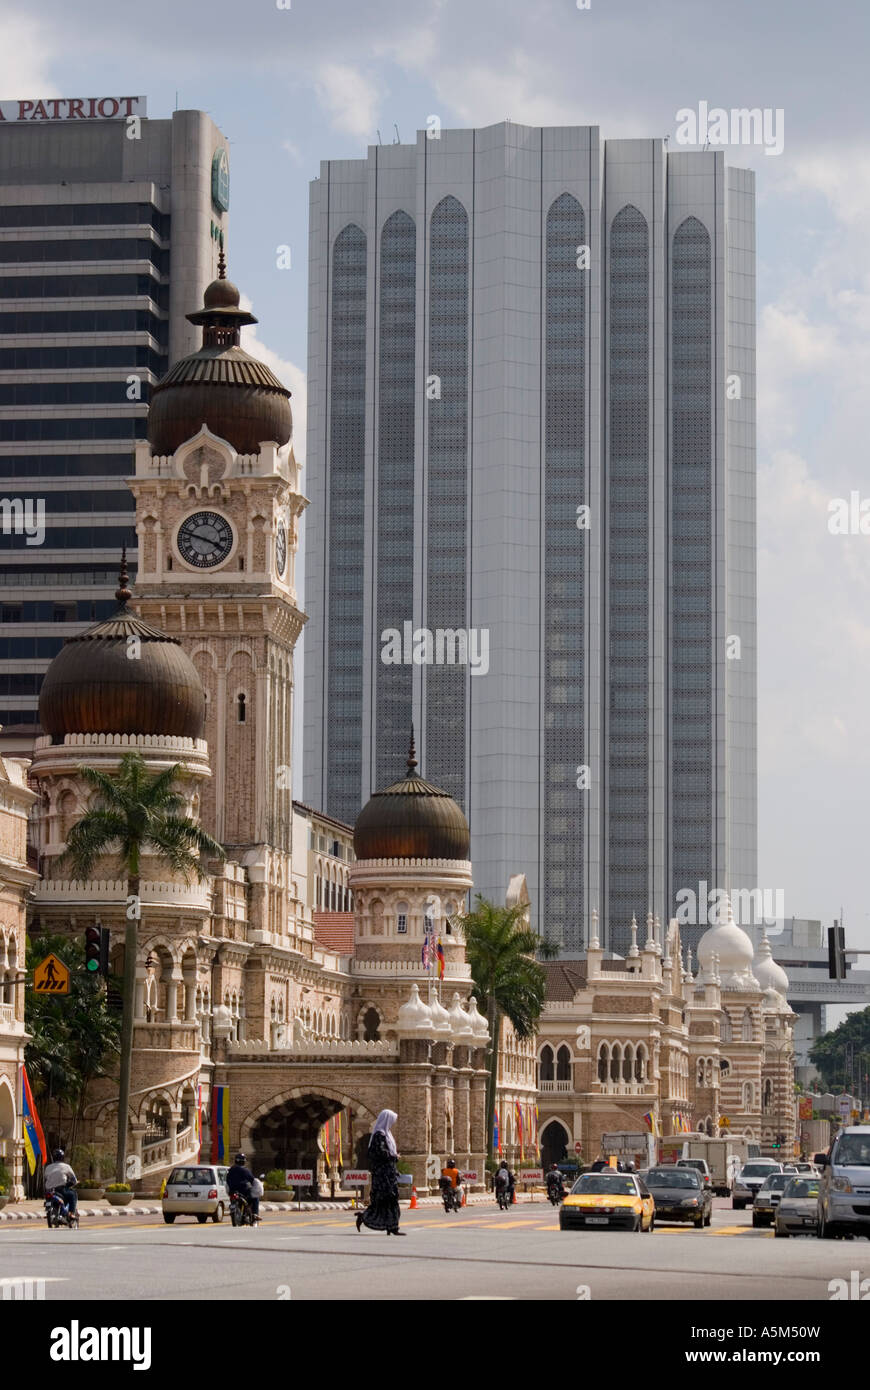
(290, 87)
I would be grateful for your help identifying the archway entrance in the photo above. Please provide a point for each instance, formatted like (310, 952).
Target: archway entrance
(288, 1136)
(554, 1143)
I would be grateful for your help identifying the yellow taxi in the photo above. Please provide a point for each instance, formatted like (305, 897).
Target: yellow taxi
(619, 1201)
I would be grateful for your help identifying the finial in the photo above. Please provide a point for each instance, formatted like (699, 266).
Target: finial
(222, 260)
(412, 752)
(634, 951)
(123, 593)
(594, 942)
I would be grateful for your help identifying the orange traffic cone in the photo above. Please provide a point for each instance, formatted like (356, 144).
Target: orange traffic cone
(463, 1196)
(413, 1206)
(514, 1198)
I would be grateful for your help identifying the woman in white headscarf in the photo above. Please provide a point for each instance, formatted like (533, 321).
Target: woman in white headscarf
(382, 1212)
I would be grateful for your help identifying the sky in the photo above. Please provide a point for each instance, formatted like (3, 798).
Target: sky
(294, 82)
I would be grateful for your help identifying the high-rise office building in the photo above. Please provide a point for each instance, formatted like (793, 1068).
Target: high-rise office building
(109, 225)
(531, 463)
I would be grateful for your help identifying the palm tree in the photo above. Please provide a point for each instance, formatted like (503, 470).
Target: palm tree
(136, 811)
(508, 982)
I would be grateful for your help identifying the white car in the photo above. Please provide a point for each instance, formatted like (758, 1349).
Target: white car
(749, 1180)
(196, 1189)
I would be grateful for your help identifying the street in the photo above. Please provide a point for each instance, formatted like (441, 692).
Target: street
(477, 1253)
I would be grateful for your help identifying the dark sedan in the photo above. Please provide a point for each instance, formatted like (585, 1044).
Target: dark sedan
(680, 1195)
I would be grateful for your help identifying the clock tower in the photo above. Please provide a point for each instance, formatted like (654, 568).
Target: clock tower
(217, 511)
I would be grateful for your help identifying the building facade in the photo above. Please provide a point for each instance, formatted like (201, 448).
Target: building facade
(17, 877)
(531, 463)
(108, 233)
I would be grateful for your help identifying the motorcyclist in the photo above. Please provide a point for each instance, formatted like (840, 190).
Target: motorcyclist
(60, 1178)
(555, 1183)
(503, 1175)
(450, 1173)
(240, 1179)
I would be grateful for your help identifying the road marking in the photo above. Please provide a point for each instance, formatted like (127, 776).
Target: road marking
(12, 1279)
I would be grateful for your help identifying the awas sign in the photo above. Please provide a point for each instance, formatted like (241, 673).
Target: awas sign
(73, 109)
(300, 1176)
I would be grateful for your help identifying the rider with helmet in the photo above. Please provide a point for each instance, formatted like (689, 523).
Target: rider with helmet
(60, 1178)
(555, 1182)
(450, 1175)
(240, 1179)
(504, 1178)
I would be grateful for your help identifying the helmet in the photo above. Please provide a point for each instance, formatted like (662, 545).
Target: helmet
(451, 1163)
(58, 1155)
(240, 1158)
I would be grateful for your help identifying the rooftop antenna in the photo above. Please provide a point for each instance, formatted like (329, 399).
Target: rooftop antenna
(380, 141)
(398, 139)
(176, 101)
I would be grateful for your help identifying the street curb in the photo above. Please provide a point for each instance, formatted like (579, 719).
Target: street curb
(474, 1199)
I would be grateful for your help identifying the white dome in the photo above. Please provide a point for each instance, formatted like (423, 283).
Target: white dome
(767, 972)
(734, 950)
(440, 1019)
(460, 1022)
(414, 1016)
(478, 1022)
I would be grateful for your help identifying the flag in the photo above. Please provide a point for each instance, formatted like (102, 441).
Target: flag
(496, 1136)
(339, 1141)
(34, 1139)
(439, 952)
(424, 954)
(220, 1124)
(519, 1114)
(326, 1144)
(537, 1145)
(650, 1121)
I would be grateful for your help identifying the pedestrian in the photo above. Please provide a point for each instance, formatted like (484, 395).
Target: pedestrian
(382, 1212)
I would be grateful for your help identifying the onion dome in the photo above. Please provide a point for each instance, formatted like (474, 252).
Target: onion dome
(414, 1016)
(460, 1023)
(441, 1026)
(768, 973)
(220, 386)
(101, 682)
(734, 950)
(479, 1025)
(412, 819)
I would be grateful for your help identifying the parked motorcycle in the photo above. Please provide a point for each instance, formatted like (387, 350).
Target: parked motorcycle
(57, 1213)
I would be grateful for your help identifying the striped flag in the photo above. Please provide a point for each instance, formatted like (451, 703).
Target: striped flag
(34, 1139)
(439, 952)
(198, 1122)
(220, 1124)
(496, 1133)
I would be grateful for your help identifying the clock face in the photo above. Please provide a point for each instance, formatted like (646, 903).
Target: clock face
(280, 549)
(204, 539)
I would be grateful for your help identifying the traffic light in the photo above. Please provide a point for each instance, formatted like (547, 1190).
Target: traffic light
(836, 952)
(97, 951)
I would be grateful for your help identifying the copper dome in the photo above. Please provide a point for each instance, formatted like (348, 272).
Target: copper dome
(95, 686)
(412, 819)
(219, 385)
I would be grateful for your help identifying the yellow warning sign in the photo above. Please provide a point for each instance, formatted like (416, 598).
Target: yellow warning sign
(51, 976)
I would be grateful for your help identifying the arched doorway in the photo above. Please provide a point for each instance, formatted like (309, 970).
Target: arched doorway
(554, 1143)
(286, 1132)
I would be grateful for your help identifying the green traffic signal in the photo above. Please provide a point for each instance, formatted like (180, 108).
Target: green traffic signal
(97, 951)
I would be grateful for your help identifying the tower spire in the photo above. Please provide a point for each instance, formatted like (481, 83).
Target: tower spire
(412, 752)
(123, 593)
(222, 260)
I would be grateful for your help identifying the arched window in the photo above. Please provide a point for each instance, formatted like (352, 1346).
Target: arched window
(563, 1064)
(748, 1095)
(725, 1034)
(700, 1071)
(371, 1025)
(640, 1061)
(724, 1067)
(547, 1072)
(767, 1103)
(241, 712)
(747, 1026)
(603, 1062)
(615, 1062)
(627, 1063)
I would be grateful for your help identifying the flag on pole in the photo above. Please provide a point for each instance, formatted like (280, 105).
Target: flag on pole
(537, 1144)
(439, 952)
(220, 1124)
(199, 1122)
(326, 1144)
(339, 1141)
(496, 1135)
(34, 1139)
(519, 1114)
(650, 1121)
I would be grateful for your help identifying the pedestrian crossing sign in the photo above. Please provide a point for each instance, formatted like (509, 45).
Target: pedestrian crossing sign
(51, 976)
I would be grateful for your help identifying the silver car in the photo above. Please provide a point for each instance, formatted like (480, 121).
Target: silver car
(196, 1189)
(798, 1210)
(768, 1198)
(844, 1185)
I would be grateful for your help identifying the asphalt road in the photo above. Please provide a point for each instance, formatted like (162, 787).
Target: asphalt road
(478, 1253)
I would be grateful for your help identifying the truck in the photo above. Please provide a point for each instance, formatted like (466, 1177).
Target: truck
(724, 1156)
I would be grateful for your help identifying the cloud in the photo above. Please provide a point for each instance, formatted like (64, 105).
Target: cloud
(349, 98)
(27, 53)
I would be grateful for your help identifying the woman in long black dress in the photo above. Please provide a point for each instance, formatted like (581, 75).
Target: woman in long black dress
(382, 1212)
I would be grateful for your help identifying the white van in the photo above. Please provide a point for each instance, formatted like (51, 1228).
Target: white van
(844, 1185)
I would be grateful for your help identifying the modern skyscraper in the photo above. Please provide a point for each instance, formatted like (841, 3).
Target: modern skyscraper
(108, 233)
(531, 463)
